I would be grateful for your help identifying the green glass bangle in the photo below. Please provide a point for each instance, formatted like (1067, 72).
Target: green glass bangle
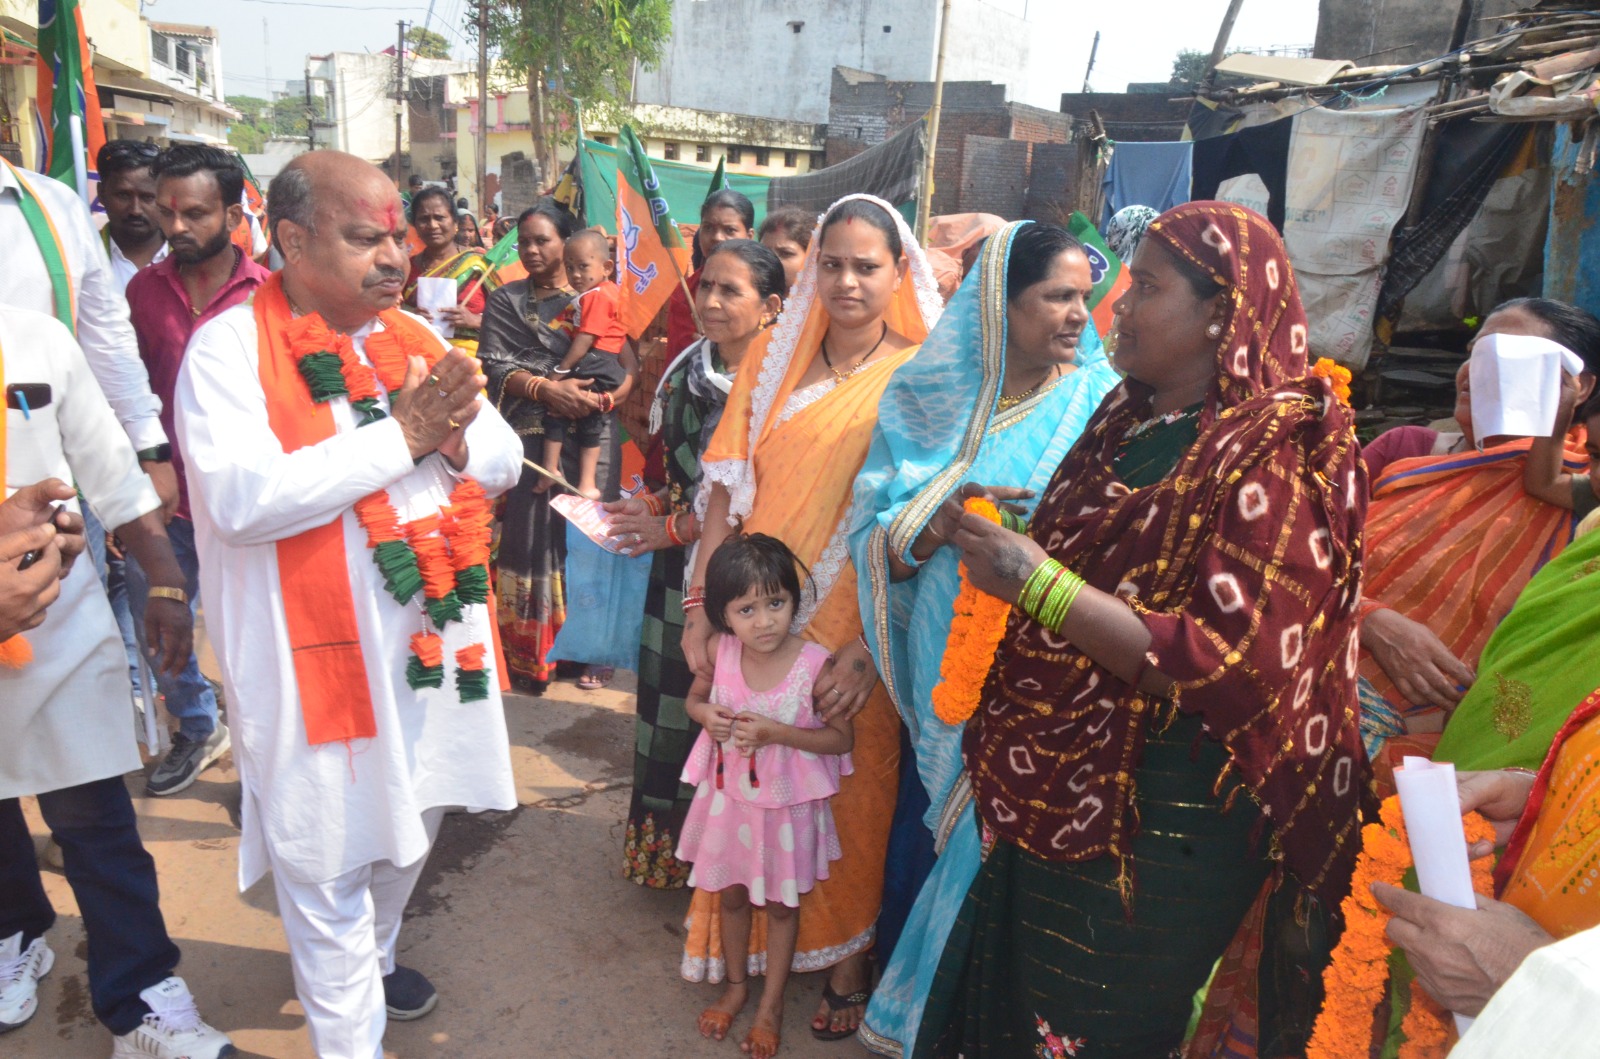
(1038, 583)
(1062, 595)
(1014, 522)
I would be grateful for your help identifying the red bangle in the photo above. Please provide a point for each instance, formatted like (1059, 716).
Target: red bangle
(654, 504)
(672, 532)
(607, 402)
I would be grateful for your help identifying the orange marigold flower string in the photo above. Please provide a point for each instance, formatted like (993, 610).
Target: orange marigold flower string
(1338, 377)
(975, 634)
(1357, 979)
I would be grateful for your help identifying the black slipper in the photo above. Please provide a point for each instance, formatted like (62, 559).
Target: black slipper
(836, 1002)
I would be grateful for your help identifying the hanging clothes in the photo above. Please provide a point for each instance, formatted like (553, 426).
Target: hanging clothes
(1148, 174)
(1262, 150)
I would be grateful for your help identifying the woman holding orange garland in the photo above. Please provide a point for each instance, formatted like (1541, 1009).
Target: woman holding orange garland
(999, 392)
(1183, 633)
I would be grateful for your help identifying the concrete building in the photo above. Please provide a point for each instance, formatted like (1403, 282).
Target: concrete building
(357, 93)
(761, 146)
(994, 156)
(1389, 32)
(156, 81)
(773, 57)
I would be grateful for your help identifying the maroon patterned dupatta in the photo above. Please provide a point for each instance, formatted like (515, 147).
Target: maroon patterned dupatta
(1244, 563)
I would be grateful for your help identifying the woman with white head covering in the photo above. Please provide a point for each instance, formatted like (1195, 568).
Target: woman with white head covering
(783, 460)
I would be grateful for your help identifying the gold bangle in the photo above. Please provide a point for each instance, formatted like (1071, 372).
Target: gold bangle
(163, 592)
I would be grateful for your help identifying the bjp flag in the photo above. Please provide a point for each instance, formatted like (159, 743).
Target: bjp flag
(71, 132)
(1110, 275)
(651, 254)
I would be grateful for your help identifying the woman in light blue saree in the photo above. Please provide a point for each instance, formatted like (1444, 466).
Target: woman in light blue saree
(998, 394)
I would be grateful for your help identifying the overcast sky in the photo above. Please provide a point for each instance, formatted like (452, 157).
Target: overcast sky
(1138, 37)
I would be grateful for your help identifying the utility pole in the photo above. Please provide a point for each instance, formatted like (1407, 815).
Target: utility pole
(311, 117)
(1224, 32)
(399, 98)
(1093, 51)
(925, 197)
(481, 137)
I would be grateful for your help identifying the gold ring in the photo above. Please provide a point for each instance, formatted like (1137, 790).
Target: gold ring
(453, 424)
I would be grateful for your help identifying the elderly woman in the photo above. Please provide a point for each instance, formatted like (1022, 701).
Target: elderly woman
(739, 296)
(1182, 632)
(1453, 538)
(519, 348)
(784, 460)
(999, 392)
(441, 258)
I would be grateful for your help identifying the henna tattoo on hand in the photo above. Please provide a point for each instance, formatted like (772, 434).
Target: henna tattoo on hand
(1011, 562)
(859, 666)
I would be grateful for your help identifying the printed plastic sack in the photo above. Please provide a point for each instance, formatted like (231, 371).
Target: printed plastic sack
(605, 604)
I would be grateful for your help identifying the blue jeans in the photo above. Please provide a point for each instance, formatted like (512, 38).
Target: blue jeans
(114, 880)
(113, 577)
(189, 695)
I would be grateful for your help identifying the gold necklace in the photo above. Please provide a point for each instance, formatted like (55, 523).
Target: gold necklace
(841, 376)
(1012, 402)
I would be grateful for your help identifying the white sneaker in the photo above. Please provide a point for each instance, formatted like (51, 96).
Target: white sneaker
(20, 972)
(173, 1029)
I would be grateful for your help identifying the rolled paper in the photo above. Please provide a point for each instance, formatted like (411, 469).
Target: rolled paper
(1432, 809)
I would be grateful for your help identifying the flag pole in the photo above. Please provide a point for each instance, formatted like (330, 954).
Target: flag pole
(80, 174)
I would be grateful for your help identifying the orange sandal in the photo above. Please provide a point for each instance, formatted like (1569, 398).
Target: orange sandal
(760, 1043)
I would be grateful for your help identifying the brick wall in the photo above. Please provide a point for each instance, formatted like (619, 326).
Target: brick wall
(994, 176)
(1136, 117)
(1051, 174)
(519, 183)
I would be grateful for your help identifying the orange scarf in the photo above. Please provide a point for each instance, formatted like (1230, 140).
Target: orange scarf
(313, 570)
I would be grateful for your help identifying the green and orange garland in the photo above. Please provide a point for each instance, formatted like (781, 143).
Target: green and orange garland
(444, 556)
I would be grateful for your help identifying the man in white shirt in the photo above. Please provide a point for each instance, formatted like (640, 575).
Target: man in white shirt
(67, 741)
(338, 485)
(56, 264)
(128, 192)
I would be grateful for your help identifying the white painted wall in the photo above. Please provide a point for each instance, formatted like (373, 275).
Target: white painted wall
(744, 57)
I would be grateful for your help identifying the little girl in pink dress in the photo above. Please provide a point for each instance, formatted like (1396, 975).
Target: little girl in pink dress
(759, 830)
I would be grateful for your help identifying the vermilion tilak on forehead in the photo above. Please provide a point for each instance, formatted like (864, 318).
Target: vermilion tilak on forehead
(388, 218)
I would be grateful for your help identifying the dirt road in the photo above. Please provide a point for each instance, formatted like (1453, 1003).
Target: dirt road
(537, 945)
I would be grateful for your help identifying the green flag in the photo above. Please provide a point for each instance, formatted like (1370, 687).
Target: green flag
(636, 170)
(503, 252)
(1105, 268)
(719, 179)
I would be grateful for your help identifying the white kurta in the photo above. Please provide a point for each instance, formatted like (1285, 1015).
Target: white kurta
(325, 810)
(65, 714)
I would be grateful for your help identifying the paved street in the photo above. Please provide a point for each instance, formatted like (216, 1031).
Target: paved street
(522, 920)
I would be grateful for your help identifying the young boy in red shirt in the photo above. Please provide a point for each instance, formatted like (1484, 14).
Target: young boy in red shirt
(594, 355)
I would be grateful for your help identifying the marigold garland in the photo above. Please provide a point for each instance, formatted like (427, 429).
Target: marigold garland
(1337, 375)
(975, 635)
(1357, 978)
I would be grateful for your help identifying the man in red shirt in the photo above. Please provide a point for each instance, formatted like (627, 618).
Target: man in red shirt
(198, 196)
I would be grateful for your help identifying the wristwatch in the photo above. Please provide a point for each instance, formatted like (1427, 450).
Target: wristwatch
(161, 453)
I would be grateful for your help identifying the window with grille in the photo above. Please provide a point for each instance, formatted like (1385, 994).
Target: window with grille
(671, 152)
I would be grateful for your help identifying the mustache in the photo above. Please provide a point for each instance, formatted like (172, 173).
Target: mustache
(384, 274)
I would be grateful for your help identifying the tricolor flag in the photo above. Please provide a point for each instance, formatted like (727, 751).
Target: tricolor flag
(1111, 279)
(70, 130)
(651, 254)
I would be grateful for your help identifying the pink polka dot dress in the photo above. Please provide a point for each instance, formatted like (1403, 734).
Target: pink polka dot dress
(773, 835)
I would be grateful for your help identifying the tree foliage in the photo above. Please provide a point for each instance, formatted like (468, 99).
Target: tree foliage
(1189, 68)
(582, 50)
(424, 43)
(264, 119)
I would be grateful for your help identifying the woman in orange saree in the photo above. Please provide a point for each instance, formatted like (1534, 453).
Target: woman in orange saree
(783, 461)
